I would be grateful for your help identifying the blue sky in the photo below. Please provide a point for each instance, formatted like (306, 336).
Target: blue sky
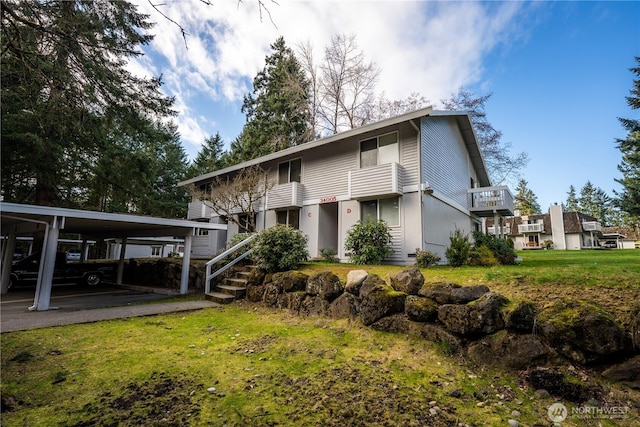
(558, 71)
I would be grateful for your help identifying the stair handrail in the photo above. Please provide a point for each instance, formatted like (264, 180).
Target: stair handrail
(209, 276)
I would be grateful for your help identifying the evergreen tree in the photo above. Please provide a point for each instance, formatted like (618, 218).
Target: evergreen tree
(501, 166)
(211, 156)
(572, 204)
(595, 202)
(277, 112)
(525, 200)
(66, 93)
(629, 198)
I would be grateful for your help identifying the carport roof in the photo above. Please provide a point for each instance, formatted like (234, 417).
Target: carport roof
(20, 218)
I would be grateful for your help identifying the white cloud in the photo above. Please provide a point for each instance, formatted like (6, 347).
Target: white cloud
(428, 47)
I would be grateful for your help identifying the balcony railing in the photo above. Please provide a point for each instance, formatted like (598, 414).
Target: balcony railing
(591, 226)
(492, 230)
(198, 209)
(531, 228)
(285, 196)
(381, 180)
(487, 201)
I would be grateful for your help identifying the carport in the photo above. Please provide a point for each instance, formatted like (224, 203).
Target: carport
(19, 219)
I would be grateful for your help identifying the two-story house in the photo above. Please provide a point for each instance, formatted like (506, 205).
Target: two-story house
(422, 172)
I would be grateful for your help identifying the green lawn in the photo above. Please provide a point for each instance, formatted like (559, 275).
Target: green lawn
(271, 368)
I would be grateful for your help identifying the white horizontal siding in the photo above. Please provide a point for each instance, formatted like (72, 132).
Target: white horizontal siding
(381, 180)
(409, 158)
(325, 170)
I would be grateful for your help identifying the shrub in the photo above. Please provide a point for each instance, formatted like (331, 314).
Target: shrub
(329, 254)
(426, 259)
(368, 242)
(482, 256)
(280, 248)
(548, 244)
(501, 248)
(458, 251)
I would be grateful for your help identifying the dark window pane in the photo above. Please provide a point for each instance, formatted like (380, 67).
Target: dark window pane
(295, 170)
(283, 173)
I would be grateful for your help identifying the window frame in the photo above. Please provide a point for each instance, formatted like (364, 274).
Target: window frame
(377, 149)
(377, 201)
(288, 213)
(288, 163)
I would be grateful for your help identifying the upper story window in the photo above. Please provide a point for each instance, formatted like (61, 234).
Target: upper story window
(387, 210)
(290, 171)
(379, 150)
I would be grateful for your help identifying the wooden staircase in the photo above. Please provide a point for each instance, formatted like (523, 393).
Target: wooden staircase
(233, 287)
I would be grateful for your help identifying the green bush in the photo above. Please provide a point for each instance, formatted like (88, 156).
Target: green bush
(280, 248)
(458, 251)
(329, 254)
(368, 242)
(482, 256)
(426, 259)
(501, 248)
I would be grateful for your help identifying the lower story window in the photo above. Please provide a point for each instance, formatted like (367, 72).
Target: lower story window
(156, 251)
(290, 217)
(387, 210)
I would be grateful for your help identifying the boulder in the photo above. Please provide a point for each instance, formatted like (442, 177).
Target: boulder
(627, 373)
(509, 351)
(314, 306)
(556, 384)
(439, 335)
(270, 296)
(255, 277)
(450, 293)
(346, 306)
(582, 331)
(291, 301)
(380, 301)
(420, 309)
(409, 281)
(370, 282)
(483, 316)
(354, 281)
(400, 323)
(290, 281)
(521, 319)
(325, 285)
(396, 323)
(256, 293)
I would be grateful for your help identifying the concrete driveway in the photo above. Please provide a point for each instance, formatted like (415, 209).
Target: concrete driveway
(80, 304)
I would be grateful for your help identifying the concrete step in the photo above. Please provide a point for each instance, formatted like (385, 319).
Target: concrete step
(235, 281)
(235, 291)
(220, 298)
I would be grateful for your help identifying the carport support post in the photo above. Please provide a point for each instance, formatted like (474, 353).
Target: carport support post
(123, 250)
(45, 279)
(186, 263)
(7, 261)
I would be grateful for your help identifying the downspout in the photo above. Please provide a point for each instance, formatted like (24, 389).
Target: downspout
(420, 194)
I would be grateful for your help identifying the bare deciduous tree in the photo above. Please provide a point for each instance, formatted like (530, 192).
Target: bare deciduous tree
(236, 196)
(346, 85)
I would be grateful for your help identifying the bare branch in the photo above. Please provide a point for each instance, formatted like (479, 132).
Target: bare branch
(182, 30)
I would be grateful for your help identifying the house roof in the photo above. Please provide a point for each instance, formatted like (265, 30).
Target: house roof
(463, 119)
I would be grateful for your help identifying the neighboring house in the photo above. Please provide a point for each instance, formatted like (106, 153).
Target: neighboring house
(148, 247)
(623, 237)
(567, 230)
(421, 172)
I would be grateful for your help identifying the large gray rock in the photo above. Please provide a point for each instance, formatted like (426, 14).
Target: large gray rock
(435, 333)
(409, 281)
(450, 293)
(291, 301)
(314, 306)
(325, 285)
(290, 281)
(627, 373)
(255, 293)
(582, 331)
(483, 316)
(521, 319)
(271, 293)
(509, 351)
(380, 301)
(369, 283)
(354, 281)
(346, 306)
(420, 309)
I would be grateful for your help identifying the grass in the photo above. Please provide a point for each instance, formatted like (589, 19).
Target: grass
(271, 368)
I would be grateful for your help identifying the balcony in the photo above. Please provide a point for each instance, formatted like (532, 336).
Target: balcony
(197, 210)
(376, 181)
(488, 201)
(285, 196)
(505, 230)
(591, 226)
(531, 228)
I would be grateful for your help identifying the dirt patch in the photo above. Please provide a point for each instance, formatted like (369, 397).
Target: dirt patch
(161, 400)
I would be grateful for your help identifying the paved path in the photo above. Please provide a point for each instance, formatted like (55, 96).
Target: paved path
(89, 307)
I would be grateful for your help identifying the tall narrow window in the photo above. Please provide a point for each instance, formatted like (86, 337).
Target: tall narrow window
(290, 217)
(380, 150)
(290, 171)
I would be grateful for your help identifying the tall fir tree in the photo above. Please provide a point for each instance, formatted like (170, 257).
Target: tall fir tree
(66, 91)
(629, 198)
(572, 204)
(277, 111)
(525, 200)
(595, 202)
(211, 156)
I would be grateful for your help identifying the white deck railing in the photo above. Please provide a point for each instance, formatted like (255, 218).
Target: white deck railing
(210, 276)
